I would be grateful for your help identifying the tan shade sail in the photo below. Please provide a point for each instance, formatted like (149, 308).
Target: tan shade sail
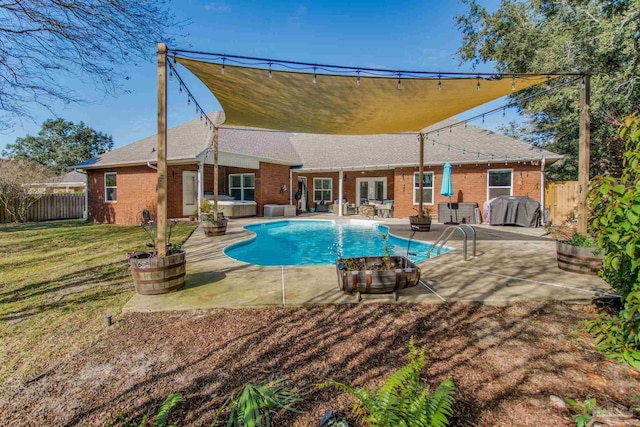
(291, 101)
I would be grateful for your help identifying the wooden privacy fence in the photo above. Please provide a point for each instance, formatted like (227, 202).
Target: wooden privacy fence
(52, 206)
(561, 199)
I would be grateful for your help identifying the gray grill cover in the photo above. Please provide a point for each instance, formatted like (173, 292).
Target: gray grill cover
(515, 210)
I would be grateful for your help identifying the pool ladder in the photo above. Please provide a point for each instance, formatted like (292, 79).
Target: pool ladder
(446, 234)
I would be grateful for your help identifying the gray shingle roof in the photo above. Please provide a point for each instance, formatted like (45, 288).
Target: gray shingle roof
(460, 145)
(189, 139)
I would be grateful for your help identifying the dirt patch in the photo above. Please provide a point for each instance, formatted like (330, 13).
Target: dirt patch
(505, 361)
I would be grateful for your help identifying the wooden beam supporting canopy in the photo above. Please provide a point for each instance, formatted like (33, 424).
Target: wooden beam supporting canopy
(584, 153)
(421, 177)
(161, 240)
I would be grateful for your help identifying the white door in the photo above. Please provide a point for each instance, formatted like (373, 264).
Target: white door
(189, 192)
(371, 189)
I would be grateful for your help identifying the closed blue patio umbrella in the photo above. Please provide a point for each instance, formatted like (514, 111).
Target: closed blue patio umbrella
(447, 189)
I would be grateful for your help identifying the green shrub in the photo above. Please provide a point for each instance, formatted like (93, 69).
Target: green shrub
(404, 400)
(616, 224)
(160, 420)
(250, 406)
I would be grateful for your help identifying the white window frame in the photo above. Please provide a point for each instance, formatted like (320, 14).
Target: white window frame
(414, 188)
(242, 187)
(110, 186)
(330, 201)
(499, 170)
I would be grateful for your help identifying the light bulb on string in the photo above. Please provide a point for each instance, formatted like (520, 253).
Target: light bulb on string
(188, 100)
(270, 75)
(180, 90)
(478, 84)
(315, 79)
(358, 79)
(439, 82)
(399, 81)
(483, 119)
(222, 68)
(548, 83)
(170, 75)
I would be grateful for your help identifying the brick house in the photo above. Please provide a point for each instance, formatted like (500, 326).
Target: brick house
(265, 167)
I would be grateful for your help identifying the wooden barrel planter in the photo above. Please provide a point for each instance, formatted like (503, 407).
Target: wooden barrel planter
(420, 223)
(211, 227)
(377, 281)
(157, 275)
(578, 259)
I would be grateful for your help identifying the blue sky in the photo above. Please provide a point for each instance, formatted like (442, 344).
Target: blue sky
(417, 35)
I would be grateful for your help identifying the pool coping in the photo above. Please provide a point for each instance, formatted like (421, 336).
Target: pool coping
(511, 266)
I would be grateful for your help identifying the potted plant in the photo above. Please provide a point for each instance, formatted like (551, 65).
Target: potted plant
(213, 223)
(152, 274)
(422, 221)
(376, 274)
(576, 252)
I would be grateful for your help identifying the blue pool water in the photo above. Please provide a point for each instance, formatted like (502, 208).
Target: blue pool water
(319, 242)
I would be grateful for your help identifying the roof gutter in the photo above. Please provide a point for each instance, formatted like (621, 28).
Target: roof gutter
(534, 161)
(151, 166)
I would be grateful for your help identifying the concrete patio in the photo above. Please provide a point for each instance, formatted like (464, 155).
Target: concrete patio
(512, 264)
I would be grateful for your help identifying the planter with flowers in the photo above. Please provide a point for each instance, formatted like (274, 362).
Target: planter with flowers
(213, 222)
(576, 252)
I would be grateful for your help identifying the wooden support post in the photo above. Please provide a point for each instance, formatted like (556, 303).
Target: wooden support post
(162, 151)
(584, 153)
(215, 171)
(420, 177)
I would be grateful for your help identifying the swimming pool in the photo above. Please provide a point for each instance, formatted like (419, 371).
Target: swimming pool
(304, 242)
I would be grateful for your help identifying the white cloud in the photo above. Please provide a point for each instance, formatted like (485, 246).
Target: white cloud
(219, 7)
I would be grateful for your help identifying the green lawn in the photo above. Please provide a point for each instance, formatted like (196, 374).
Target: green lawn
(57, 282)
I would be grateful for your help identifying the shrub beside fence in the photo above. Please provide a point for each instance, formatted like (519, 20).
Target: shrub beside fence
(52, 207)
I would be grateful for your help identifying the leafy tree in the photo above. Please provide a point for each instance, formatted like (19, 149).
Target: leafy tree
(46, 43)
(600, 36)
(16, 195)
(59, 145)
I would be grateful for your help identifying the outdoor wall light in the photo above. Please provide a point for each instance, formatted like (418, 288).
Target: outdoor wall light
(283, 188)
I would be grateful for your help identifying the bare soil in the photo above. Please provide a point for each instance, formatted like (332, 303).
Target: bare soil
(505, 361)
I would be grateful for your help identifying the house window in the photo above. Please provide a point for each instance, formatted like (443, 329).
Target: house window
(110, 187)
(499, 183)
(322, 189)
(427, 188)
(242, 186)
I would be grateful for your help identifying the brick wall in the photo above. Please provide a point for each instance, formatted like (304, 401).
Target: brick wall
(136, 191)
(269, 181)
(469, 183)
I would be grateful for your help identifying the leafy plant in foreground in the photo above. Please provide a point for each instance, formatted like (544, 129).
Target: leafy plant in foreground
(616, 224)
(250, 406)
(161, 418)
(404, 400)
(584, 412)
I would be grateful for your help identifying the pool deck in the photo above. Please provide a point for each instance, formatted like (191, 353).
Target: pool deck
(512, 264)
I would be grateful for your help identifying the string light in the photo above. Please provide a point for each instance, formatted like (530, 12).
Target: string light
(439, 82)
(358, 79)
(222, 69)
(315, 80)
(188, 100)
(548, 83)
(478, 84)
(180, 90)
(399, 81)
(483, 119)
(170, 75)
(270, 75)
